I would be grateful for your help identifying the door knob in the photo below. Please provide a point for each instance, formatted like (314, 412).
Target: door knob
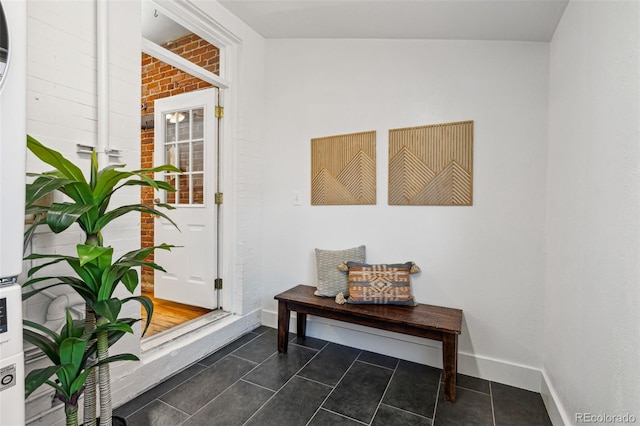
(157, 201)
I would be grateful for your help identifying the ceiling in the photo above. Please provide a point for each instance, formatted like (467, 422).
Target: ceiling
(157, 27)
(516, 20)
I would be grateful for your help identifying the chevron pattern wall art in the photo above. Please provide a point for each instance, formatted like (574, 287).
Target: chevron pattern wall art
(431, 165)
(343, 169)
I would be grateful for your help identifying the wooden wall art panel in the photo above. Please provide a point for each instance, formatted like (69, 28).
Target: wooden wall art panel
(431, 165)
(343, 169)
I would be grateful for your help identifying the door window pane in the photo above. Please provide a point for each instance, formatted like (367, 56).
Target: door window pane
(182, 117)
(197, 159)
(171, 196)
(198, 123)
(183, 157)
(184, 149)
(198, 188)
(183, 189)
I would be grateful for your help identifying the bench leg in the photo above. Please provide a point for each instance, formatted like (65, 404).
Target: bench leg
(284, 315)
(450, 365)
(302, 325)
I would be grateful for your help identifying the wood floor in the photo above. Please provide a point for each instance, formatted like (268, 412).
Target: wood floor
(168, 314)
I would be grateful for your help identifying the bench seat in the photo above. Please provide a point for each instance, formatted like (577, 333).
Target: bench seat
(427, 321)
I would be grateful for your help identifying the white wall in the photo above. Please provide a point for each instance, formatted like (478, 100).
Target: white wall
(487, 259)
(593, 231)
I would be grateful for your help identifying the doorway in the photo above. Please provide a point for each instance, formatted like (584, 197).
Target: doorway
(164, 79)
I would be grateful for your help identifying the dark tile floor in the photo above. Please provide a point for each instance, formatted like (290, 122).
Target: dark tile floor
(321, 383)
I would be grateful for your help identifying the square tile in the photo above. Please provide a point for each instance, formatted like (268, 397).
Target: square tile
(471, 408)
(157, 413)
(195, 393)
(518, 406)
(330, 364)
(260, 348)
(359, 392)
(391, 416)
(279, 368)
(414, 388)
(233, 407)
(294, 405)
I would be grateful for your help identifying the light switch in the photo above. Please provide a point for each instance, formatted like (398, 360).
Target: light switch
(297, 198)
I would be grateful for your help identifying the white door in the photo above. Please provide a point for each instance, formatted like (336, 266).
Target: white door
(186, 137)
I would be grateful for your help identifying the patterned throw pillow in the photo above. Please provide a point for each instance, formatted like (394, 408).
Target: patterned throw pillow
(381, 284)
(331, 280)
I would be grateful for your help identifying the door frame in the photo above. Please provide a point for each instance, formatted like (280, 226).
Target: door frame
(202, 24)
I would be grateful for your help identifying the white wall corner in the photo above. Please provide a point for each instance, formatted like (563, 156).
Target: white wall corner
(557, 413)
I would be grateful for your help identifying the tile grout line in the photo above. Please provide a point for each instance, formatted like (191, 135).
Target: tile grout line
(493, 412)
(405, 411)
(225, 389)
(334, 388)
(435, 407)
(393, 373)
(340, 415)
(232, 354)
(285, 384)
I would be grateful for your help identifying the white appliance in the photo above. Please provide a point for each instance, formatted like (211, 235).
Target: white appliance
(13, 76)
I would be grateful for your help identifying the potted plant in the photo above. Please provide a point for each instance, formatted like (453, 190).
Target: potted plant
(70, 356)
(96, 274)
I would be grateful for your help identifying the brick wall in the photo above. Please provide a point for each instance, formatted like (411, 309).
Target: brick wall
(160, 80)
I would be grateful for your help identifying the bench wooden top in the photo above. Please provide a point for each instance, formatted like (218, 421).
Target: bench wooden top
(427, 317)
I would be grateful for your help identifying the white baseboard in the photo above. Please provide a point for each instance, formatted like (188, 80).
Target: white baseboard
(557, 413)
(414, 349)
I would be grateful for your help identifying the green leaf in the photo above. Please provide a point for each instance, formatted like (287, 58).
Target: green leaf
(116, 213)
(109, 309)
(77, 385)
(147, 304)
(37, 378)
(131, 280)
(143, 253)
(47, 347)
(42, 186)
(119, 357)
(44, 331)
(61, 216)
(163, 168)
(55, 159)
(107, 180)
(43, 265)
(71, 353)
(94, 170)
(159, 184)
(87, 254)
(119, 326)
(74, 282)
(72, 328)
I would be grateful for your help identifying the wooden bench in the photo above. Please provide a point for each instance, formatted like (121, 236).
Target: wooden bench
(431, 322)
